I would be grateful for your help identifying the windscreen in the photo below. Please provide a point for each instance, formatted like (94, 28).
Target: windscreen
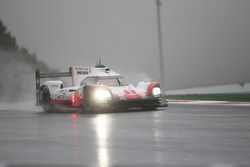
(89, 80)
(110, 82)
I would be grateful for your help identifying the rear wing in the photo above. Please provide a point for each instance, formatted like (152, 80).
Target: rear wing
(40, 75)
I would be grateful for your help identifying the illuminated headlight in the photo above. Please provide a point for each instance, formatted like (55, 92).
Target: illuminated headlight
(156, 91)
(101, 95)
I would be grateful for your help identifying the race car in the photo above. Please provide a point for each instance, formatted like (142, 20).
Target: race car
(95, 89)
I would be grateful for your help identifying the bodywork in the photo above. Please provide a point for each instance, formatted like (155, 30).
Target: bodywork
(86, 82)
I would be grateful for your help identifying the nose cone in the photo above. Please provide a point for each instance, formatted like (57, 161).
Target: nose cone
(125, 92)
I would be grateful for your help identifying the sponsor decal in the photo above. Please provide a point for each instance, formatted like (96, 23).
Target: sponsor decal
(82, 72)
(131, 94)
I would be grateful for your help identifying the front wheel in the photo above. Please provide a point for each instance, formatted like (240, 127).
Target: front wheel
(88, 105)
(44, 97)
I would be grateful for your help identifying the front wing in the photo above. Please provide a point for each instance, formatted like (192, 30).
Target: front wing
(133, 103)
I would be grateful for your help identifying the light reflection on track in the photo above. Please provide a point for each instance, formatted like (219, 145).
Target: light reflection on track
(74, 118)
(102, 127)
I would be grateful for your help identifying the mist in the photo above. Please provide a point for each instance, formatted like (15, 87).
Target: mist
(17, 78)
(131, 77)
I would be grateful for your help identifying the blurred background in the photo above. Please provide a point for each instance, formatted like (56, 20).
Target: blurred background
(204, 43)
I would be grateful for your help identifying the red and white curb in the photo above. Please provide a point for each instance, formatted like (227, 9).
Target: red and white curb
(206, 102)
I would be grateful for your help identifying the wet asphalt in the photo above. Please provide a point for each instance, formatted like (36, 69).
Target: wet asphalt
(179, 135)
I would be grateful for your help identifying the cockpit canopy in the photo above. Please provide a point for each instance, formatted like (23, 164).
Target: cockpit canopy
(103, 80)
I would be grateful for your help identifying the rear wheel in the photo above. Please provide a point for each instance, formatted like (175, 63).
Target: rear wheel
(44, 97)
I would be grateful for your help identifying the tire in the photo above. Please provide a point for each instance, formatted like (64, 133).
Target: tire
(88, 105)
(44, 98)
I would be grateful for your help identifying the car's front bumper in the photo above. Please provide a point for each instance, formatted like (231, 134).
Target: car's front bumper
(133, 103)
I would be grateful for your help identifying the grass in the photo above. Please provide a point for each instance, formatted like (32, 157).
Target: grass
(217, 97)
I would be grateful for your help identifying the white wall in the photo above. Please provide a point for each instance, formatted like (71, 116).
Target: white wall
(231, 88)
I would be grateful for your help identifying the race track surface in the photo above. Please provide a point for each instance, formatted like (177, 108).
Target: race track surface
(180, 135)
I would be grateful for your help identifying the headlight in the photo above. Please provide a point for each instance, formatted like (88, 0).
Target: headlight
(101, 95)
(156, 91)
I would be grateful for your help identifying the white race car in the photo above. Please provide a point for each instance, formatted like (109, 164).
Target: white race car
(95, 89)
